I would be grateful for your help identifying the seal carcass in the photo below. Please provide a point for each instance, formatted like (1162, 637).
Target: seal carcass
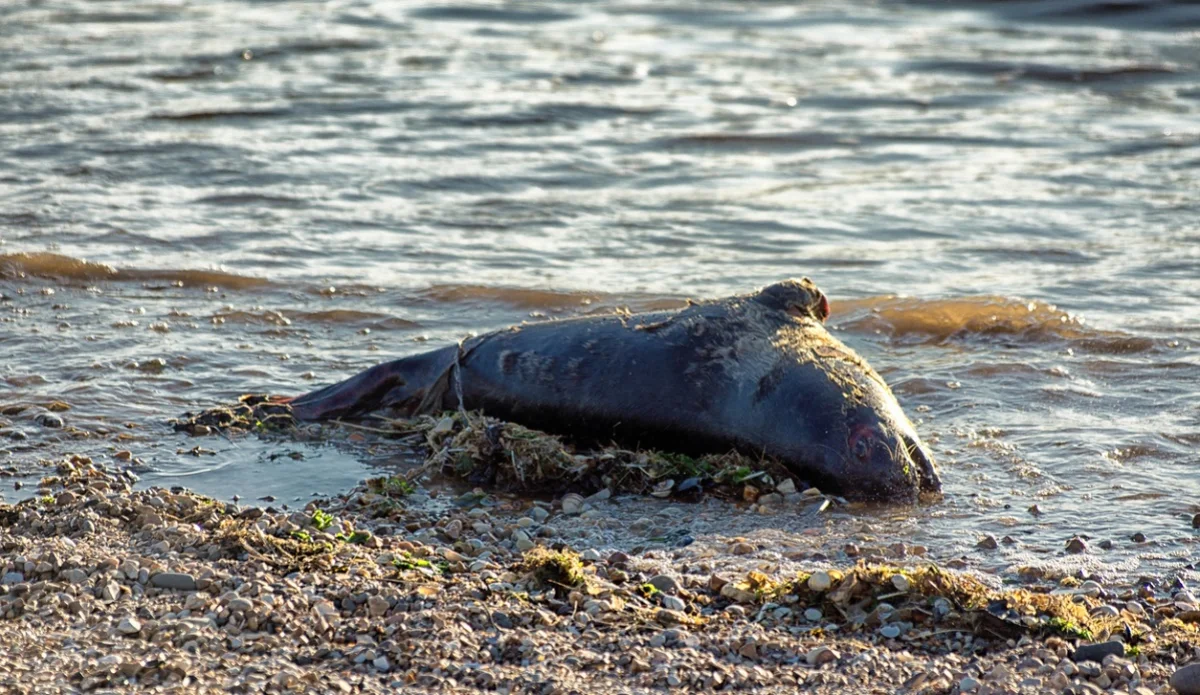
(757, 373)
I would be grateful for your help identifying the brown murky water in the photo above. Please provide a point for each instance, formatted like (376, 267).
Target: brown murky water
(1000, 198)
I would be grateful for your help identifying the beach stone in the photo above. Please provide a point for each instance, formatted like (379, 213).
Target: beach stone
(110, 592)
(901, 582)
(673, 603)
(180, 581)
(381, 663)
(539, 514)
(74, 576)
(593, 555)
(890, 631)
(741, 548)
(240, 605)
(11, 578)
(129, 625)
(968, 685)
(1097, 652)
(1058, 680)
(812, 615)
(377, 606)
(49, 420)
(664, 583)
(1076, 545)
(787, 487)
(821, 655)
(988, 542)
(1186, 681)
(454, 529)
(129, 568)
(820, 581)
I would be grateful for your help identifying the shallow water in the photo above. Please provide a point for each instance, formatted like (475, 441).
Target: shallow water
(999, 198)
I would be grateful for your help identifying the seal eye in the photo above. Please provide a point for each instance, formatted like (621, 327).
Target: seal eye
(862, 447)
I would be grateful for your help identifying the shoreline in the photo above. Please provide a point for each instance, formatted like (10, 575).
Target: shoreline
(107, 587)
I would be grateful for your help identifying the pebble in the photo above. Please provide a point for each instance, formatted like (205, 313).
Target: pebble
(988, 542)
(787, 487)
(539, 514)
(901, 582)
(180, 581)
(821, 655)
(11, 578)
(1186, 681)
(1196, 521)
(110, 592)
(968, 685)
(572, 504)
(240, 605)
(1076, 545)
(49, 420)
(812, 615)
(129, 626)
(74, 576)
(741, 548)
(890, 631)
(454, 529)
(820, 581)
(673, 603)
(664, 583)
(593, 555)
(1097, 652)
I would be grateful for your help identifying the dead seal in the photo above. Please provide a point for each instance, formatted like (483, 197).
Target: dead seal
(757, 373)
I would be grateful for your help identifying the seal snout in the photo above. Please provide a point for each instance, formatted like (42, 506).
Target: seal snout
(884, 464)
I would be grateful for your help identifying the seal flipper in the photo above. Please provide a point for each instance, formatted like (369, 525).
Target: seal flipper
(412, 385)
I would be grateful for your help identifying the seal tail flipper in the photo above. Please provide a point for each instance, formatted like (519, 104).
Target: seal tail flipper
(412, 384)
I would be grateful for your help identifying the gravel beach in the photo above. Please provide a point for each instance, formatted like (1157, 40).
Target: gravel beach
(107, 588)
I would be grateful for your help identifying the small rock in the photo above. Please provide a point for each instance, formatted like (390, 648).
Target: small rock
(890, 631)
(673, 603)
(968, 685)
(74, 576)
(1138, 537)
(66, 498)
(11, 578)
(180, 581)
(49, 420)
(821, 655)
(741, 549)
(901, 582)
(454, 529)
(664, 583)
(787, 487)
(1076, 545)
(593, 555)
(572, 504)
(381, 663)
(1097, 652)
(110, 592)
(129, 626)
(539, 514)
(812, 615)
(1196, 521)
(240, 605)
(988, 542)
(1186, 681)
(820, 581)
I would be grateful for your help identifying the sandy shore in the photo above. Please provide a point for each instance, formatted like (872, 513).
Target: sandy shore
(107, 588)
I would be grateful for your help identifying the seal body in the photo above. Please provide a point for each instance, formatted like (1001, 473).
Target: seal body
(757, 373)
